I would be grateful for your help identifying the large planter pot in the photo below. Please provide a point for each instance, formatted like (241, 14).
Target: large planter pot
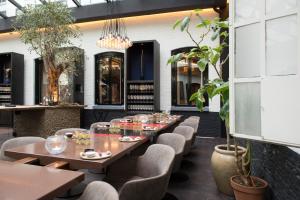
(242, 192)
(224, 167)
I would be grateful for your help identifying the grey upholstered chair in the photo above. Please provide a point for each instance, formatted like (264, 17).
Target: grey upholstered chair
(193, 118)
(145, 177)
(99, 190)
(69, 130)
(188, 133)
(177, 142)
(16, 142)
(194, 123)
(99, 126)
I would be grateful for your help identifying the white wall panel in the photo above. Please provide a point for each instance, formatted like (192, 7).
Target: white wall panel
(155, 27)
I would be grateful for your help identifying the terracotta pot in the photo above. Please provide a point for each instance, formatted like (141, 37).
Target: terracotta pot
(242, 192)
(224, 167)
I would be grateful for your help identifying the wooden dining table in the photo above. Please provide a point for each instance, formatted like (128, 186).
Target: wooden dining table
(27, 182)
(106, 140)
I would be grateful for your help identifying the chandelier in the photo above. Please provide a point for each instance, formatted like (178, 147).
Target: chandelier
(114, 35)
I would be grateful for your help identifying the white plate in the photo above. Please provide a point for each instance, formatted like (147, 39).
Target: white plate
(147, 128)
(122, 139)
(126, 120)
(97, 156)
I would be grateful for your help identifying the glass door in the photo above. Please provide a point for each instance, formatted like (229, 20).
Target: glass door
(109, 78)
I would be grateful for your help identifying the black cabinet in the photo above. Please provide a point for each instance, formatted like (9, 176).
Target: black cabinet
(11, 83)
(143, 77)
(71, 84)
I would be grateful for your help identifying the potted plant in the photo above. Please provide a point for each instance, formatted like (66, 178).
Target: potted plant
(223, 158)
(47, 28)
(245, 186)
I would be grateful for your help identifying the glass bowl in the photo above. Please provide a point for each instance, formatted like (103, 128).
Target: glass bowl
(56, 144)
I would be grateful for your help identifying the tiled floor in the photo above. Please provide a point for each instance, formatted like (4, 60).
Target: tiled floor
(194, 181)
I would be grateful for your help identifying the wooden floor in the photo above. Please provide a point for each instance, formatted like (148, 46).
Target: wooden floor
(193, 182)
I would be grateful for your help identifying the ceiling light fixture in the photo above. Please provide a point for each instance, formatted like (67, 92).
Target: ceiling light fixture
(114, 34)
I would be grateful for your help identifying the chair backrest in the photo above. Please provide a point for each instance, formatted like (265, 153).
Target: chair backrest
(16, 142)
(154, 169)
(69, 130)
(99, 190)
(194, 124)
(186, 131)
(193, 118)
(175, 141)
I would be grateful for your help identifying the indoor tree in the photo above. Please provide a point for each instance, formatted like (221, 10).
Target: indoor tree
(208, 56)
(47, 28)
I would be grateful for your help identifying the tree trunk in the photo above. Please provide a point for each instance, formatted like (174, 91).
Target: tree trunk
(53, 75)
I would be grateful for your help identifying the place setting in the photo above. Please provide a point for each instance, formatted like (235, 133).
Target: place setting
(91, 154)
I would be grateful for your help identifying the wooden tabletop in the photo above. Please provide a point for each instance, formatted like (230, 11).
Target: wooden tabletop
(105, 141)
(28, 182)
(99, 142)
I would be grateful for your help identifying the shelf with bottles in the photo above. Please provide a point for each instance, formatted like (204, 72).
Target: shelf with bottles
(136, 107)
(5, 89)
(140, 88)
(140, 99)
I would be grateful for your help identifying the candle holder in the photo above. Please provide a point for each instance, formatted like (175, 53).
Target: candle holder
(56, 144)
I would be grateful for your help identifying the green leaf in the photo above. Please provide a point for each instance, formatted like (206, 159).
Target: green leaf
(176, 23)
(209, 90)
(175, 58)
(215, 58)
(194, 49)
(221, 89)
(202, 63)
(199, 105)
(206, 22)
(223, 24)
(185, 22)
(224, 111)
(215, 35)
(194, 96)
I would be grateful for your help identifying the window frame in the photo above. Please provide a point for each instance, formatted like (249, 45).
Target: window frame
(174, 80)
(262, 20)
(97, 58)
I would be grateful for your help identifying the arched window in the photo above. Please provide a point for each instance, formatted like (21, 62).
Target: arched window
(109, 72)
(186, 79)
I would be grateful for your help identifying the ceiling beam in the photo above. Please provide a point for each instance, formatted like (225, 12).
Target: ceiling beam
(16, 4)
(3, 15)
(78, 4)
(129, 8)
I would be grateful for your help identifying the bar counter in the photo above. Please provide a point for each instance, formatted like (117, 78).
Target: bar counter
(36, 120)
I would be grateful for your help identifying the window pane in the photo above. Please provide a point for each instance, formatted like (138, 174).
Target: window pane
(247, 109)
(104, 81)
(246, 10)
(279, 6)
(247, 54)
(281, 46)
(116, 64)
(182, 81)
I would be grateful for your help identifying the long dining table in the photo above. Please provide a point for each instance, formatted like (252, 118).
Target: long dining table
(106, 140)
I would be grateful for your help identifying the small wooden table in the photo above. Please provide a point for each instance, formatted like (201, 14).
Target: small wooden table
(27, 182)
